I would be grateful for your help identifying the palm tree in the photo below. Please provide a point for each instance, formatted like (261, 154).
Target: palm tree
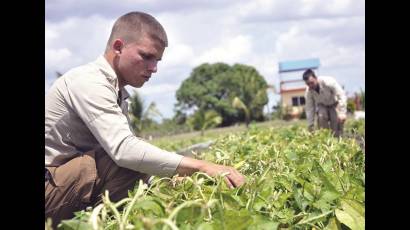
(142, 116)
(238, 104)
(151, 111)
(203, 120)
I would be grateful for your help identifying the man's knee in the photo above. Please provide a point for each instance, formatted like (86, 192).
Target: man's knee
(117, 180)
(81, 181)
(323, 121)
(322, 117)
(108, 170)
(70, 187)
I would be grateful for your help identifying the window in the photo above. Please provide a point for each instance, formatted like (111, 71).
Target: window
(302, 100)
(295, 101)
(298, 101)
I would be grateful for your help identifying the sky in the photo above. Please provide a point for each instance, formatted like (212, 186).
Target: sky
(259, 33)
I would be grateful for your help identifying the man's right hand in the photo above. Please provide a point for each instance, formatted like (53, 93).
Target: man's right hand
(232, 179)
(341, 118)
(189, 165)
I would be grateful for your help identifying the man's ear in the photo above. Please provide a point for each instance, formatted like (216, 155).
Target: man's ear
(117, 46)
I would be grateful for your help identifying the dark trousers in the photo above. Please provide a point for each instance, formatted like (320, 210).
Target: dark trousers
(327, 118)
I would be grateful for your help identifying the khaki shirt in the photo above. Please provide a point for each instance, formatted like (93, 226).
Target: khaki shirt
(329, 94)
(83, 111)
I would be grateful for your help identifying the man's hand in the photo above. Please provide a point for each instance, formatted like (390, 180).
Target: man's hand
(190, 165)
(232, 179)
(341, 119)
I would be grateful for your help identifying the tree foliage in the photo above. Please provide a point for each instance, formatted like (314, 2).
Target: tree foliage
(214, 86)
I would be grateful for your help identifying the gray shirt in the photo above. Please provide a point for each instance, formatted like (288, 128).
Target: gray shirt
(83, 111)
(329, 94)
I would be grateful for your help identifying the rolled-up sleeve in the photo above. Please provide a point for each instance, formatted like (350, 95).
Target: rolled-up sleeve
(98, 108)
(340, 97)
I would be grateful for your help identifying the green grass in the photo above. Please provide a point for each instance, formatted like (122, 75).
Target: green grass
(180, 141)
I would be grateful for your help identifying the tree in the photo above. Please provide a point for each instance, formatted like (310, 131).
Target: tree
(362, 98)
(277, 110)
(351, 106)
(202, 120)
(136, 105)
(238, 104)
(151, 112)
(214, 86)
(141, 117)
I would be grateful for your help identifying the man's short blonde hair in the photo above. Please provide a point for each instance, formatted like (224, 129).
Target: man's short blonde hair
(133, 26)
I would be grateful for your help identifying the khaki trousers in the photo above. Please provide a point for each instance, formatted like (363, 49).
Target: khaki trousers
(82, 181)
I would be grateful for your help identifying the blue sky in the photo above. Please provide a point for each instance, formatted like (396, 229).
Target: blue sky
(259, 33)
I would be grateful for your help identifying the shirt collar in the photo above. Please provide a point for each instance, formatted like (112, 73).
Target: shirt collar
(320, 83)
(124, 94)
(111, 76)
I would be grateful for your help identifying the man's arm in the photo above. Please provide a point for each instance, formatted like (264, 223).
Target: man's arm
(102, 115)
(95, 102)
(190, 165)
(310, 110)
(341, 99)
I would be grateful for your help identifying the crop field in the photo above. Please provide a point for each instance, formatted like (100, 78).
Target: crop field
(295, 180)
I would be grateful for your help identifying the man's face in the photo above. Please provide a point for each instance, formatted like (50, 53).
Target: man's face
(137, 61)
(312, 82)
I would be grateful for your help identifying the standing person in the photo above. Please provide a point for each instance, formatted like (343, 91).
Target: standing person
(326, 98)
(89, 145)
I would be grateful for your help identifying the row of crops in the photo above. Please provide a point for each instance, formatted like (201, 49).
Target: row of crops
(295, 180)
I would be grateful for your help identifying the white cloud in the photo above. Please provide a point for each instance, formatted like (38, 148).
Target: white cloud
(282, 10)
(149, 90)
(74, 41)
(55, 56)
(59, 10)
(231, 50)
(162, 94)
(258, 33)
(176, 55)
(50, 35)
(266, 65)
(299, 43)
(256, 7)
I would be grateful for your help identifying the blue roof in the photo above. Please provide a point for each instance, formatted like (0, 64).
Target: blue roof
(288, 66)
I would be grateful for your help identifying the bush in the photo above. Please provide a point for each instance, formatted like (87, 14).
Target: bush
(351, 105)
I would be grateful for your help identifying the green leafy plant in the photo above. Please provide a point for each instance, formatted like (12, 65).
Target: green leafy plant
(295, 180)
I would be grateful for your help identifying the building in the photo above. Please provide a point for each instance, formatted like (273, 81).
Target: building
(292, 86)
